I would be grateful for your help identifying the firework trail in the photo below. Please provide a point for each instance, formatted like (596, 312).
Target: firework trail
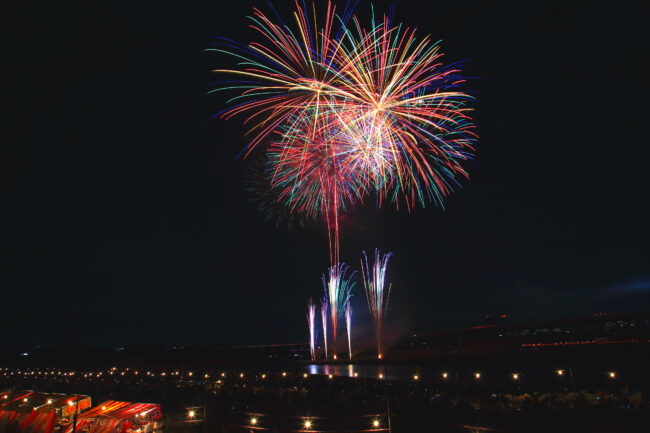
(374, 280)
(309, 174)
(311, 318)
(348, 325)
(323, 316)
(338, 285)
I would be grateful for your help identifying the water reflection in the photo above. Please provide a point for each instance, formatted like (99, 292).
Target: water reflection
(366, 371)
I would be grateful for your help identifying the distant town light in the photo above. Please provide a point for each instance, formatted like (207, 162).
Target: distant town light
(241, 374)
(335, 356)
(416, 377)
(445, 375)
(560, 372)
(477, 375)
(612, 374)
(190, 373)
(284, 374)
(331, 376)
(253, 421)
(379, 356)
(515, 376)
(307, 424)
(263, 376)
(375, 423)
(305, 375)
(25, 400)
(206, 375)
(191, 414)
(381, 376)
(49, 401)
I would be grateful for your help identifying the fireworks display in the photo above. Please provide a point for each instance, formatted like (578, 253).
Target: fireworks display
(338, 285)
(374, 280)
(343, 113)
(311, 323)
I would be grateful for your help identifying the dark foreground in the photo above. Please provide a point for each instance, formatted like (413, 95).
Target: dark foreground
(244, 401)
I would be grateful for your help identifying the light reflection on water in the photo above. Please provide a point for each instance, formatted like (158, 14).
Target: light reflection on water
(369, 371)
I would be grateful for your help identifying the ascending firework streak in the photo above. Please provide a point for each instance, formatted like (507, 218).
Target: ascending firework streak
(337, 289)
(323, 316)
(348, 324)
(374, 281)
(311, 317)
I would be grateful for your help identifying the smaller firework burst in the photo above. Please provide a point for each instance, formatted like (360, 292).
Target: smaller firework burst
(338, 286)
(311, 322)
(348, 325)
(323, 315)
(374, 280)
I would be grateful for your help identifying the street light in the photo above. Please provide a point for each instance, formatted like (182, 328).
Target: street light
(191, 414)
(253, 421)
(307, 424)
(612, 374)
(560, 372)
(477, 375)
(445, 375)
(375, 423)
(515, 376)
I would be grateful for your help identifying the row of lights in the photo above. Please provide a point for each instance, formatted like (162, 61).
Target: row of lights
(307, 423)
(416, 377)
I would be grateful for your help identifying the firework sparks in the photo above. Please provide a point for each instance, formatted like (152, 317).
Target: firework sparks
(311, 322)
(348, 326)
(323, 316)
(350, 112)
(374, 280)
(338, 286)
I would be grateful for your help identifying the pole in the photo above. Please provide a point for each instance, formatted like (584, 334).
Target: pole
(76, 412)
(387, 398)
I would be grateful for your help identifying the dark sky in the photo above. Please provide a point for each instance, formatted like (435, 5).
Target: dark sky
(125, 218)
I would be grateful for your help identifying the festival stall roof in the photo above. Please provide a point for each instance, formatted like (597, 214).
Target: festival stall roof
(29, 401)
(114, 416)
(17, 413)
(12, 397)
(65, 405)
(31, 422)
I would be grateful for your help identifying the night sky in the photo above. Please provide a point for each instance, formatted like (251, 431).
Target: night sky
(124, 213)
